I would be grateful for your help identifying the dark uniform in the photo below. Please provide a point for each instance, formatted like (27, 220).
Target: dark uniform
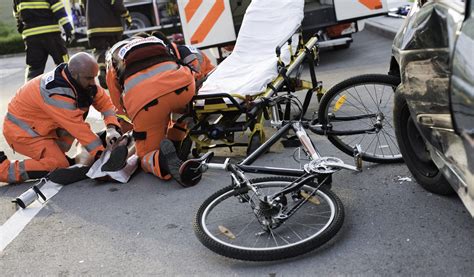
(104, 28)
(37, 22)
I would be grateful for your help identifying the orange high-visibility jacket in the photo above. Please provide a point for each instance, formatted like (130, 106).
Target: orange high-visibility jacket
(51, 101)
(154, 73)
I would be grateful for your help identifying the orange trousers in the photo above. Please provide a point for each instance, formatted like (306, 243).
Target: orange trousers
(46, 153)
(156, 122)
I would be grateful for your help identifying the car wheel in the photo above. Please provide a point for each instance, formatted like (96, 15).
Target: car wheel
(414, 151)
(139, 21)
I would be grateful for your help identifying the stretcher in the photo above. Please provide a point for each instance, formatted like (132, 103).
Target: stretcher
(268, 58)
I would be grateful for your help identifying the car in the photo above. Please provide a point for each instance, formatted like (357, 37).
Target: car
(434, 103)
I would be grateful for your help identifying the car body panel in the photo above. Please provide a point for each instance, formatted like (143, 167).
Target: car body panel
(425, 48)
(462, 104)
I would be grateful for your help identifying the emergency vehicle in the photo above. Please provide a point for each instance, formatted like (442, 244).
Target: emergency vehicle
(211, 23)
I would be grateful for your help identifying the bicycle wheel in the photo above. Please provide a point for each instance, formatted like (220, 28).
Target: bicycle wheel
(230, 228)
(359, 110)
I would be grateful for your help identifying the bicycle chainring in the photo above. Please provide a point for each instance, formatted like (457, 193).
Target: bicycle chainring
(320, 166)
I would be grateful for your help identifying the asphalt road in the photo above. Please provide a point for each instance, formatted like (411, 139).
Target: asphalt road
(392, 227)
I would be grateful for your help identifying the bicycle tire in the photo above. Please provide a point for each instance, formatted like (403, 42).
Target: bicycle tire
(354, 95)
(223, 244)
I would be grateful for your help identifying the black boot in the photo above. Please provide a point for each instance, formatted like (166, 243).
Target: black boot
(117, 160)
(171, 163)
(183, 148)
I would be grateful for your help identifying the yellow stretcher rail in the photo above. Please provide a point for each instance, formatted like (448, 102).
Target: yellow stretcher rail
(278, 82)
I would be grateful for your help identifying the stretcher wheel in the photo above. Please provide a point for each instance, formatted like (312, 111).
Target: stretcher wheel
(255, 142)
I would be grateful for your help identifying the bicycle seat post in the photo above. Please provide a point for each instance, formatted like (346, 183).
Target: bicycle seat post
(305, 140)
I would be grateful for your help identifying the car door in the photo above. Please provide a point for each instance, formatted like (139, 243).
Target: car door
(462, 98)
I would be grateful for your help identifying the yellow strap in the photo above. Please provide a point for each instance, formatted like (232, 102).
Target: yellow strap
(40, 30)
(65, 58)
(124, 118)
(32, 5)
(105, 30)
(56, 7)
(63, 20)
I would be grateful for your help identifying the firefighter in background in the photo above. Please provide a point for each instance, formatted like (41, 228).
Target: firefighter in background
(37, 22)
(147, 81)
(48, 112)
(104, 28)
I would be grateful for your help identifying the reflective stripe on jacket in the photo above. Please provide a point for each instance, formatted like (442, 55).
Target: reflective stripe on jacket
(148, 85)
(49, 102)
(152, 81)
(36, 17)
(104, 17)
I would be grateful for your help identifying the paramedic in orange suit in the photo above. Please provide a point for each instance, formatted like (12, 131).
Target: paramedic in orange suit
(147, 83)
(48, 112)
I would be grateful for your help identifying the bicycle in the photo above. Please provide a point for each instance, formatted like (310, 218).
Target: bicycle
(275, 217)
(355, 111)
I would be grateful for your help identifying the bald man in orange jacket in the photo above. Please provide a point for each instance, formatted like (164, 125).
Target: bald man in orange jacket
(48, 113)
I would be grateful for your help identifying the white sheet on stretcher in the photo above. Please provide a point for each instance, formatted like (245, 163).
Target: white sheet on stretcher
(253, 62)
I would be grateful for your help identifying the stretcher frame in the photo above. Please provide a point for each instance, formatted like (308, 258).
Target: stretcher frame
(206, 132)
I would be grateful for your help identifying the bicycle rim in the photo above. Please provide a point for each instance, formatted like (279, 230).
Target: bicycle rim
(231, 228)
(363, 103)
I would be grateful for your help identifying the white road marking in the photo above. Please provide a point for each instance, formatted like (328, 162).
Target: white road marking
(17, 222)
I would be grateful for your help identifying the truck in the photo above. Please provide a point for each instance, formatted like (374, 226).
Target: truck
(333, 20)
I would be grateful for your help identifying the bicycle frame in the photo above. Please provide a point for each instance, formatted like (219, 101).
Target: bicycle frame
(308, 146)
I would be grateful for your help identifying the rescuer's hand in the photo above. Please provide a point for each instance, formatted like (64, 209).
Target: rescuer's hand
(111, 135)
(69, 36)
(128, 21)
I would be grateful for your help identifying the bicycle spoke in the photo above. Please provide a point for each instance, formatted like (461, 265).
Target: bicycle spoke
(389, 148)
(306, 225)
(294, 232)
(368, 147)
(394, 142)
(282, 238)
(370, 95)
(361, 101)
(377, 145)
(246, 226)
(235, 216)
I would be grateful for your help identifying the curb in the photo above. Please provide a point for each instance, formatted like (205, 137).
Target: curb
(380, 29)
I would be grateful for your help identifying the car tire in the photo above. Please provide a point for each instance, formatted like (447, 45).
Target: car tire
(139, 21)
(414, 152)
